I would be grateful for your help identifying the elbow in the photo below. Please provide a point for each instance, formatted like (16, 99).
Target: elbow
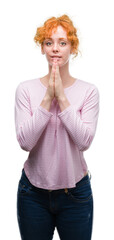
(85, 144)
(23, 144)
(25, 148)
(84, 147)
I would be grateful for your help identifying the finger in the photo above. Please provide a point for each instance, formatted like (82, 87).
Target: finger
(53, 70)
(52, 76)
(54, 60)
(54, 67)
(57, 70)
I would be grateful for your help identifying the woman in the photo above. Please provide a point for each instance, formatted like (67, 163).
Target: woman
(56, 118)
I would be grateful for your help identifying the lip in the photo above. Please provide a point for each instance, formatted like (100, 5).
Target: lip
(55, 56)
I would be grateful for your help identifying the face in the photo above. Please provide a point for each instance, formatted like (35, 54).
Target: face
(54, 47)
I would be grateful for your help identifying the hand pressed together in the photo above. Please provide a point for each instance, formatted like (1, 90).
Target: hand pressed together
(58, 86)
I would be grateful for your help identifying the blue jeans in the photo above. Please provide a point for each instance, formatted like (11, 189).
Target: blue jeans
(39, 211)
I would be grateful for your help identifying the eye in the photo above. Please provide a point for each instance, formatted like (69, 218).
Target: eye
(63, 43)
(47, 43)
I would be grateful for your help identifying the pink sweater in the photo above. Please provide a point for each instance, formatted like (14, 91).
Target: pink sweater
(55, 140)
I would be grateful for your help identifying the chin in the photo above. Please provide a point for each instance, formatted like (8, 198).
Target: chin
(60, 64)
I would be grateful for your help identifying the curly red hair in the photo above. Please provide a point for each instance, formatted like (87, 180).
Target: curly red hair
(52, 23)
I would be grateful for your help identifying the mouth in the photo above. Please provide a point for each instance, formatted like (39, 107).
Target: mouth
(55, 57)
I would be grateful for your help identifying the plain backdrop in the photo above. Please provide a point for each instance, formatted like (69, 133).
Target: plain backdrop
(20, 60)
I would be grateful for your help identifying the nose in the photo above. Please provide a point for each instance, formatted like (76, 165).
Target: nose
(55, 47)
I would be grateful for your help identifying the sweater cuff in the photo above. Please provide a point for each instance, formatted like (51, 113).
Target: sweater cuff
(68, 109)
(49, 114)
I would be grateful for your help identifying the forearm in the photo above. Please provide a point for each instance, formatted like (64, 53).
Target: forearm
(79, 131)
(34, 127)
(46, 103)
(81, 122)
(29, 125)
(63, 103)
(29, 132)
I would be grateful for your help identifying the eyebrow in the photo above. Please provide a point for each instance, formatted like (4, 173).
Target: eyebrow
(59, 38)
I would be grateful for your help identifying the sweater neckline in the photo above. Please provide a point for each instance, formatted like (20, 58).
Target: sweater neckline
(65, 89)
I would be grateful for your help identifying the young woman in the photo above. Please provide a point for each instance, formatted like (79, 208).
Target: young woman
(56, 118)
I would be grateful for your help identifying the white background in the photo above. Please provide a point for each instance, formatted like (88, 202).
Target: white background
(22, 60)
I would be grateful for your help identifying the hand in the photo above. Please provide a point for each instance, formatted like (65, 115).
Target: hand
(59, 90)
(50, 94)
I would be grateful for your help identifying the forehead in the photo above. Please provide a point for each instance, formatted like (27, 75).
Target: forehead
(60, 33)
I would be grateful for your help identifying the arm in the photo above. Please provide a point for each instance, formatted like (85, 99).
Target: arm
(81, 124)
(29, 127)
(63, 102)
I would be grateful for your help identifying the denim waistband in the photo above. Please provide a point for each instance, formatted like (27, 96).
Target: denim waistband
(85, 178)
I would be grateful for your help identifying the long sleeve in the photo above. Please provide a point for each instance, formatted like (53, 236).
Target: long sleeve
(29, 127)
(81, 124)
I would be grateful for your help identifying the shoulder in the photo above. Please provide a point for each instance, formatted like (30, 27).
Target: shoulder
(87, 84)
(27, 85)
(88, 87)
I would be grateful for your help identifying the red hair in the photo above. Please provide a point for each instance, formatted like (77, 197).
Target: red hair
(52, 23)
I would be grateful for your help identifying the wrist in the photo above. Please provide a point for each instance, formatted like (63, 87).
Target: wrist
(47, 98)
(61, 98)
(63, 102)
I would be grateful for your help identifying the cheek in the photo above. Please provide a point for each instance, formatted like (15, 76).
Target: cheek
(66, 53)
(66, 57)
(46, 51)
(47, 55)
